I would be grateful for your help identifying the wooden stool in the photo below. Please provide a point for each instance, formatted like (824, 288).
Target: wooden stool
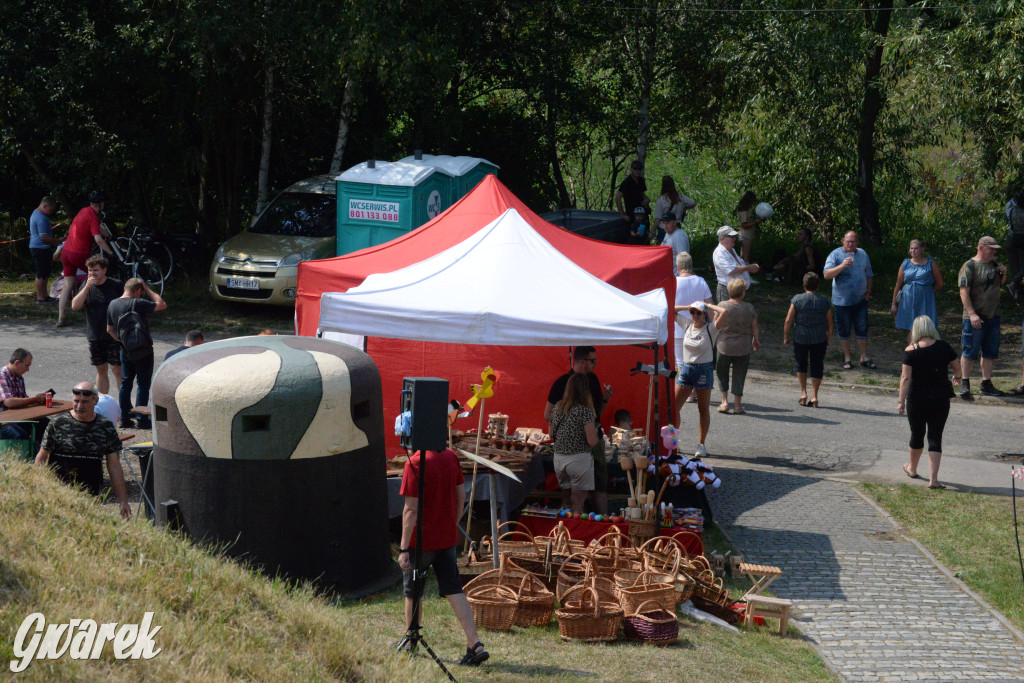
(773, 608)
(761, 574)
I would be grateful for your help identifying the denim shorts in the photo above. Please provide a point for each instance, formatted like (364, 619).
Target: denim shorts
(698, 376)
(855, 317)
(982, 342)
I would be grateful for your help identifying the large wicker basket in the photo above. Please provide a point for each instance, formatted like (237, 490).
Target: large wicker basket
(625, 578)
(536, 603)
(541, 567)
(684, 586)
(663, 554)
(494, 606)
(606, 590)
(606, 560)
(653, 624)
(576, 568)
(709, 589)
(517, 544)
(508, 574)
(647, 588)
(640, 530)
(589, 619)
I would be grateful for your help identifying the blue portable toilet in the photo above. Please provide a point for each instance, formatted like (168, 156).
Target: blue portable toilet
(378, 201)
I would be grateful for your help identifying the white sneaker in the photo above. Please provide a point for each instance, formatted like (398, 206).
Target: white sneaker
(701, 451)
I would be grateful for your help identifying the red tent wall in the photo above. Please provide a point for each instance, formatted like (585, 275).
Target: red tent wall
(527, 372)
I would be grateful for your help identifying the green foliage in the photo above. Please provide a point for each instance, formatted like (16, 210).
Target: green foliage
(159, 103)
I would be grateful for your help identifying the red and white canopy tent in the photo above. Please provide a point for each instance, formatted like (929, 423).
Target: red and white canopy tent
(479, 253)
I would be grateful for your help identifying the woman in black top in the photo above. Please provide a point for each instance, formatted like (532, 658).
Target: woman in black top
(924, 394)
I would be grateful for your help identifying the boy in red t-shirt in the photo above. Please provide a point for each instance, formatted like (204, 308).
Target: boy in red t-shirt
(444, 497)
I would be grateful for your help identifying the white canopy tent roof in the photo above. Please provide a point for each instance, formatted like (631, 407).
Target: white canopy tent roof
(504, 285)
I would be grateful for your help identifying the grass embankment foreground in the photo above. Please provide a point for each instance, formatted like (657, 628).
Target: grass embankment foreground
(970, 533)
(66, 556)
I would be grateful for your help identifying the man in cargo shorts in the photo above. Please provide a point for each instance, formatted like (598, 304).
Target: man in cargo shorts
(981, 279)
(583, 360)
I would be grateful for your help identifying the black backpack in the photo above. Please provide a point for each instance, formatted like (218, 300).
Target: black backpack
(133, 333)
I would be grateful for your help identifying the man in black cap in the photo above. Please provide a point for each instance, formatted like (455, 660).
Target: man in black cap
(632, 193)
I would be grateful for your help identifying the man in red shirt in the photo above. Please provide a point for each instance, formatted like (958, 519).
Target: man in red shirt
(84, 230)
(444, 497)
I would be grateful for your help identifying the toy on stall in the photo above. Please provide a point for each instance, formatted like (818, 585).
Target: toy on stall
(481, 392)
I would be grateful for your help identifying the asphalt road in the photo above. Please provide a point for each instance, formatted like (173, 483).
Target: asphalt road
(852, 435)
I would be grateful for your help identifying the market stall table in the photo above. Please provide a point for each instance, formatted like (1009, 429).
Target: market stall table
(510, 493)
(34, 412)
(586, 530)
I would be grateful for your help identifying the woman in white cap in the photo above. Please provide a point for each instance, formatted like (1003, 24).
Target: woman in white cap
(696, 374)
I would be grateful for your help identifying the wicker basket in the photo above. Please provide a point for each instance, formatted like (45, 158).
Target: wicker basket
(647, 588)
(662, 554)
(589, 619)
(652, 624)
(494, 606)
(476, 562)
(613, 537)
(564, 545)
(606, 590)
(709, 589)
(541, 567)
(684, 586)
(536, 603)
(625, 578)
(640, 530)
(575, 569)
(517, 544)
(695, 566)
(606, 560)
(508, 574)
(717, 609)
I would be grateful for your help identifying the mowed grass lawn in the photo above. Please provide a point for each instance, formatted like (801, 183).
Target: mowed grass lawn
(66, 556)
(970, 533)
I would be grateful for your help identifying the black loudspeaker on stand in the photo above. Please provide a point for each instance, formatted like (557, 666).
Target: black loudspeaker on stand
(424, 419)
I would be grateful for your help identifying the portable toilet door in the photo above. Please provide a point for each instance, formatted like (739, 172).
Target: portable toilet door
(379, 201)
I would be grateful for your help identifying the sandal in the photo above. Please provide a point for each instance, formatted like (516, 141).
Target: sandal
(474, 656)
(739, 412)
(937, 486)
(723, 409)
(869, 364)
(906, 471)
(1019, 391)
(802, 401)
(813, 403)
(847, 365)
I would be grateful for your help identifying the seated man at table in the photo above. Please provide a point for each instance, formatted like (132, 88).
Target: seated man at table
(76, 443)
(13, 395)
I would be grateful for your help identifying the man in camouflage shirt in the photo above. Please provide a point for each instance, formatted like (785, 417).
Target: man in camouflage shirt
(77, 442)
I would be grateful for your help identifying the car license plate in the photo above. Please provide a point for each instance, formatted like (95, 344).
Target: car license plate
(243, 283)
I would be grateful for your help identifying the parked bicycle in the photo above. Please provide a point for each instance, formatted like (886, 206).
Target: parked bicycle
(131, 259)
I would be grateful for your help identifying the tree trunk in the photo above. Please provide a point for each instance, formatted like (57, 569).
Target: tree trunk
(44, 175)
(878, 26)
(268, 127)
(551, 126)
(343, 123)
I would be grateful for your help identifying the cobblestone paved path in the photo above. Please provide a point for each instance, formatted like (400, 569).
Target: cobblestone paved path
(877, 608)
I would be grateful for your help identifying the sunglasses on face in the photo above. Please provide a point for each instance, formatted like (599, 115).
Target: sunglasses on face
(695, 312)
(83, 392)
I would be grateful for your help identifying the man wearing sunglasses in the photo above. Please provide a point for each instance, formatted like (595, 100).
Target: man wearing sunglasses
(76, 443)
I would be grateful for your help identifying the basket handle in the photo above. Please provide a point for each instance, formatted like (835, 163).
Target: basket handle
(614, 538)
(597, 600)
(515, 526)
(511, 536)
(640, 607)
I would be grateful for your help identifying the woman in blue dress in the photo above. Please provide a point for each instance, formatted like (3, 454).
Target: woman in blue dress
(918, 280)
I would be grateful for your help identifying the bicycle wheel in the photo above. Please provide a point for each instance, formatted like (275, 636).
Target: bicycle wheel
(162, 254)
(149, 271)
